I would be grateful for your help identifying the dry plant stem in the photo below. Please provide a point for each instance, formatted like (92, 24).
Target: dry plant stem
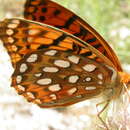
(99, 113)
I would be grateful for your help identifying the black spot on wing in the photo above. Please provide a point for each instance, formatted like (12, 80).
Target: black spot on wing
(91, 40)
(58, 40)
(68, 22)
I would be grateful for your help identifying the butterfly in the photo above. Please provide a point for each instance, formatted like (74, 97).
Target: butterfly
(59, 59)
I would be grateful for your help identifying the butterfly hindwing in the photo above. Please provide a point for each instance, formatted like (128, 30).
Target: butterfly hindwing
(53, 78)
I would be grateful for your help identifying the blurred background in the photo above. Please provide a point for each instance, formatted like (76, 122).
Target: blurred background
(111, 18)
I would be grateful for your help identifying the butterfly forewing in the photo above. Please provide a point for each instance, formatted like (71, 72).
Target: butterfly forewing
(46, 11)
(53, 78)
(22, 36)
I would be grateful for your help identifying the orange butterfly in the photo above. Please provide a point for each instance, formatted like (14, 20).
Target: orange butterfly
(59, 67)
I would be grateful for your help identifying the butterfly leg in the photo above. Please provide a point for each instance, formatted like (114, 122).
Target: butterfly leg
(100, 112)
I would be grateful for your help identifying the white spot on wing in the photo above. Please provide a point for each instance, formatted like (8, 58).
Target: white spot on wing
(32, 58)
(74, 59)
(71, 91)
(16, 21)
(44, 81)
(50, 52)
(9, 32)
(89, 67)
(38, 74)
(20, 87)
(14, 48)
(73, 78)
(23, 68)
(12, 25)
(19, 79)
(50, 69)
(90, 88)
(10, 40)
(30, 95)
(33, 31)
(53, 96)
(79, 96)
(37, 101)
(100, 76)
(88, 79)
(100, 82)
(62, 63)
(54, 88)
